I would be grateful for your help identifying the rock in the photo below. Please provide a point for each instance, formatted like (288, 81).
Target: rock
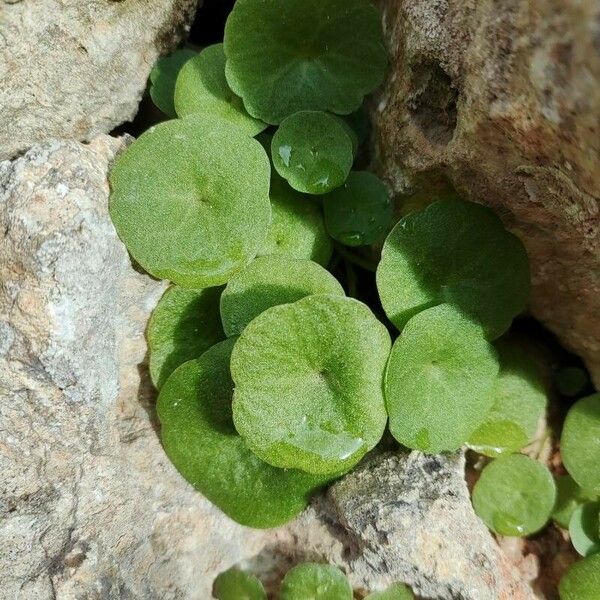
(412, 520)
(90, 507)
(73, 69)
(502, 100)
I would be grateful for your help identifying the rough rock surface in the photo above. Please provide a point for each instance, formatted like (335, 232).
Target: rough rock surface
(73, 68)
(90, 507)
(502, 99)
(412, 519)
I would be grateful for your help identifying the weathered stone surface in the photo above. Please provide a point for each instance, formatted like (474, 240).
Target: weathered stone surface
(502, 99)
(90, 507)
(411, 518)
(73, 69)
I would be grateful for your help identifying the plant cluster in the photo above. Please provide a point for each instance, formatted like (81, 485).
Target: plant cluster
(273, 378)
(308, 580)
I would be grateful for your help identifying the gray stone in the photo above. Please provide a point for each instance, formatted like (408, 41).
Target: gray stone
(502, 100)
(76, 68)
(91, 508)
(411, 520)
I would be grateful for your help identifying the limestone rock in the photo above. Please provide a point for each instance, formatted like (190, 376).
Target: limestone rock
(412, 520)
(90, 507)
(502, 99)
(73, 69)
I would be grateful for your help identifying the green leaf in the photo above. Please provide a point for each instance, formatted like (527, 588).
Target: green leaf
(311, 581)
(201, 87)
(515, 495)
(313, 151)
(580, 443)
(297, 229)
(308, 383)
(182, 205)
(519, 400)
(582, 580)
(397, 591)
(184, 324)
(569, 497)
(163, 76)
(235, 584)
(268, 281)
(571, 381)
(457, 253)
(438, 380)
(194, 408)
(360, 212)
(584, 528)
(284, 56)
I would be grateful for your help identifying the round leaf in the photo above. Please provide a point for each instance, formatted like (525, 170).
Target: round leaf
(582, 580)
(515, 495)
(571, 381)
(297, 229)
(584, 528)
(438, 380)
(519, 400)
(360, 212)
(312, 151)
(201, 87)
(308, 379)
(580, 443)
(284, 56)
(311, 581)
(194, 408)
(458, 253)
(234, 584)
(163, 76)
(182, 205)
(568, 497)
(184, 324)
(268, 281)
(397, 591)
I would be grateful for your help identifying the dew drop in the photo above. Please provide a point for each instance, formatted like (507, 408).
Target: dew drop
(351, 238)
(285, 153)
(507, 524)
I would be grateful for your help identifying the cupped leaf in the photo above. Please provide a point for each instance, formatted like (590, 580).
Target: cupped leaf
(268, 281)
(569, 496)
(580, 443)
(397, 591)
(359, 212)
(584, 528)
(311, 581)
(235, 584)
(571, 381)
(201, 87)
(515, 495)
(518, 403)
(308, 383)
(163, 76)
(458, 253)
(313, 151)
(183, 207)
(438, 380)
(194, 408)
(184, 324)
(284, 56)
(297, 228)
(582, 580)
